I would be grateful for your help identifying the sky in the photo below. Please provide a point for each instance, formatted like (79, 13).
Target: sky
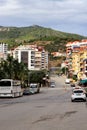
(62, 15)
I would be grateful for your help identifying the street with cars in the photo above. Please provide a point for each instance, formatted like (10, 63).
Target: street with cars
(50, 109)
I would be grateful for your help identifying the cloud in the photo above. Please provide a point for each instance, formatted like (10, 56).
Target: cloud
(50, 13)
(8, 7)
(40, 7)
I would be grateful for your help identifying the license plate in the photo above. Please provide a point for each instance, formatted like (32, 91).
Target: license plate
(78, 94)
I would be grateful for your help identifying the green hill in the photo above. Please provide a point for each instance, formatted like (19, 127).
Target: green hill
(18, 35)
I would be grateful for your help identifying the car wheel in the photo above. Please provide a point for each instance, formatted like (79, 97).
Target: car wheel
(72, 100)
(84, 100)
(38, 91)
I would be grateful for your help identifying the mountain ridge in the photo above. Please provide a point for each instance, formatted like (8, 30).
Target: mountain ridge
(18, 35)
(11, 28)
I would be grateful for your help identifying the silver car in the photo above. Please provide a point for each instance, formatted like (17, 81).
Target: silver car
(52, 84)
(34, 88)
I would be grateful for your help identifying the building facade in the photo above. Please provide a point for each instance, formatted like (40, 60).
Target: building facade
(3, 51)
(35, 58)
(77, 52)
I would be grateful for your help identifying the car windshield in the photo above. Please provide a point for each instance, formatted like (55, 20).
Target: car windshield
(33, 86)
(52, 83)
(26, 90)
(78, 91)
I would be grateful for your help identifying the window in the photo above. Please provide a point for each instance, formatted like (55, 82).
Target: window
(5, 83)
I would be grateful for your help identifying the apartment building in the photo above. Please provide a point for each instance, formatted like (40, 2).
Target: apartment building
(75, 63)
(26, 55)
(35, 58)
(3, 51)
(77, 52)
(85, 66)
(41, 60)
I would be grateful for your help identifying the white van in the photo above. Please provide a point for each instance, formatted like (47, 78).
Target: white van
(10, 88)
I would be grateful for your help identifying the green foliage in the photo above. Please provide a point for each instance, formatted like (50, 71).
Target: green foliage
(10, 68)
(75, 77)
(36, 76)
(17, 35)
(64, 70)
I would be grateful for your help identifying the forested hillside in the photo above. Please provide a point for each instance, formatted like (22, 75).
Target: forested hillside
(19, 35)
(52, 40)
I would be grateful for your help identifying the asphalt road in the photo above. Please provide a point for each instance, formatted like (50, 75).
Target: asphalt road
(51, 109)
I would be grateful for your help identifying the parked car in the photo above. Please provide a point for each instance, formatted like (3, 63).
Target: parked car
(34, 88)
(73, 85)
(26, 92)
(52, 84)
(67, 81)
(78, 94)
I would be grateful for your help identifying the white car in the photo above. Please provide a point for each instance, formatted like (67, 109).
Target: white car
(34, 88)
(78, 94)
(67, 81)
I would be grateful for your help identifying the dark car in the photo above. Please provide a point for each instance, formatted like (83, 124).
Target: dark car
(72, 85)
(26, 92)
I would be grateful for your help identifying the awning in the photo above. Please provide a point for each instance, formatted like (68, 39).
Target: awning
(83, 81)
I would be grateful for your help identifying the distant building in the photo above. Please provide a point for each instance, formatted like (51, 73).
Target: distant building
(63, 64)
(35, 58)
(76, 55)
(58, 54)
(3, 51)
(41, 60)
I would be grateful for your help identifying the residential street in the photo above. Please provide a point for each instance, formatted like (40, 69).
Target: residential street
(51, 109)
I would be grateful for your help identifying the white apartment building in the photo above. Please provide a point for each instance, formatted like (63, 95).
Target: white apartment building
(34, 58)
(3, 51)
(26, 55)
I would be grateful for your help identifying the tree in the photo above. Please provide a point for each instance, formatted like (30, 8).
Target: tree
(64, 70)
(11, 68)
(37, 76)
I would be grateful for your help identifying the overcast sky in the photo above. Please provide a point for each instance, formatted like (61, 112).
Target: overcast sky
(62, 15)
